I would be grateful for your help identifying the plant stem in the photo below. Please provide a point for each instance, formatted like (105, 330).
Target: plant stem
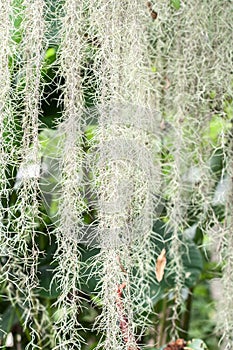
(162, 325)
(187, 315)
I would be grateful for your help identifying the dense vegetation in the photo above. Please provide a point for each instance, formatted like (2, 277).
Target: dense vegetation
(116, 175)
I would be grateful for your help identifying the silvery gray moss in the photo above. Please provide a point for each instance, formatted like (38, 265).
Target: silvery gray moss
(155, 78)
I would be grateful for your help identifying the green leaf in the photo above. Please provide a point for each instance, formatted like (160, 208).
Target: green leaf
(196, 344)
(48, 290)
(7, 320)
(217, 161)
(218, 125)
(90, 132)
(191, 258)
(89, 281)
(50, 152)
(175, 4)
(50, 54)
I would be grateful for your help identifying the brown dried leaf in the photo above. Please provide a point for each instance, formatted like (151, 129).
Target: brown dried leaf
(160, 265)
(179, 344)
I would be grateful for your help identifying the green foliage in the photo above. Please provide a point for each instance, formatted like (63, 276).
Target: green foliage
(191, 258)
(196, 344)
(175, 4)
